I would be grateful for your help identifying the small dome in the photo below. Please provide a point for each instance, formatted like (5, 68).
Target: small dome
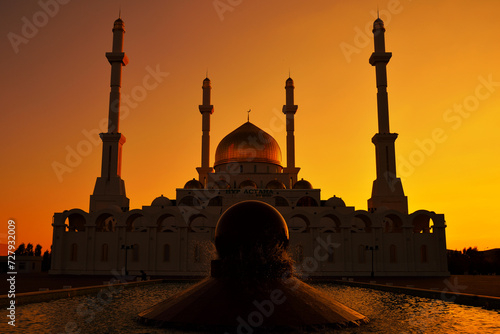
(378, 24)
(275, 184)
(335, 202)
(302, 184)
(289, 82)
(193, 184)
(221, 184)
(161, 202)
(248, 184)
(248, 143)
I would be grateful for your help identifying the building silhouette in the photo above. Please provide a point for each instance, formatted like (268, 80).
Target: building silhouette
(175, 237)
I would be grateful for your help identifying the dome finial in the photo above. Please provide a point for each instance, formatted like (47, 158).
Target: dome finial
(248, 116)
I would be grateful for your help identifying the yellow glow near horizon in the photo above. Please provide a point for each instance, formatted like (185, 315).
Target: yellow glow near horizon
(443, 84)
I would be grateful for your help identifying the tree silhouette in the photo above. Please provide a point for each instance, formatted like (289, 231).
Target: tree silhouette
(46, 261)
(29, 250)
(38, 250)
(21, 249)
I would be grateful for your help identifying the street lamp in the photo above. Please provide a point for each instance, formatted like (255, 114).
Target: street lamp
(371, 248)
(126, 247)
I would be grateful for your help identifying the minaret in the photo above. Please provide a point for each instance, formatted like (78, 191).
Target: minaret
(206, 109)
(387, 191)
(109, 187)
(289, 109)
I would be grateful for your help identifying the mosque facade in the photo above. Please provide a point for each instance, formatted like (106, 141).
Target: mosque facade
(174, 237)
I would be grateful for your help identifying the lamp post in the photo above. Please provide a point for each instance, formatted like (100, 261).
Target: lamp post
(372, 248)
(126, 247)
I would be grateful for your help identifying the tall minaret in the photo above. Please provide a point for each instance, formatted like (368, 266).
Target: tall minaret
(387, 191)
(206, 109)
(109, 188)
(289, 109)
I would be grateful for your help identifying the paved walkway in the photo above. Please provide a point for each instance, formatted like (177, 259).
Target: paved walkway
(472, 284)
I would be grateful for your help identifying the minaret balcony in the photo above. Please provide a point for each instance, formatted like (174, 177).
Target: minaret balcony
(380, 57)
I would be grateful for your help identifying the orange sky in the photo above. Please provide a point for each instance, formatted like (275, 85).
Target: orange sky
(443, 78)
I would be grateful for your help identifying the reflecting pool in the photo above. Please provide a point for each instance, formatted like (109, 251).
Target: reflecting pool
(116, 311)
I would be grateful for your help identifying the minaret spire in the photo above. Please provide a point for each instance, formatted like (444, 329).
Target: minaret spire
(289, 109)
(110, 188)
(206, 109)
(387, 189)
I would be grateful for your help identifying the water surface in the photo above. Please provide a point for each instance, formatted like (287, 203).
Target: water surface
(115, 312)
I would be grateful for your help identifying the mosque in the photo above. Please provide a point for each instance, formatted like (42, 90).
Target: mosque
(175, 237)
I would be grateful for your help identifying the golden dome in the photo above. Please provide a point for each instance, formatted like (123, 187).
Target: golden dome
(248, 143)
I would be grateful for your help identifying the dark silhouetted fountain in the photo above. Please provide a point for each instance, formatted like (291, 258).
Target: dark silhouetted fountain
(252, 286)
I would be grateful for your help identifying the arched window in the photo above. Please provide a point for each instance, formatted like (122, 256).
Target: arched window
(393, 224)
(361, 224)
(105, 223)
(74, 253)
(361, 254)
(215, 201)
(75, 223)
(104, 253)
(135, 253)
(307, 201)
(280, 201)
(423, 254)
(421, 224)
(298, 224)
(166, 253)
(392, 254)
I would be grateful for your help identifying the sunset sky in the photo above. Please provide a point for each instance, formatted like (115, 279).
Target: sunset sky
(443, 78)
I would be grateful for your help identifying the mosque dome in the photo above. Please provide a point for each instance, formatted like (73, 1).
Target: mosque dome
(193, 184)
(248, 143)
(161, 201)
(302, 184)
(335, 202)
(275, 184)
